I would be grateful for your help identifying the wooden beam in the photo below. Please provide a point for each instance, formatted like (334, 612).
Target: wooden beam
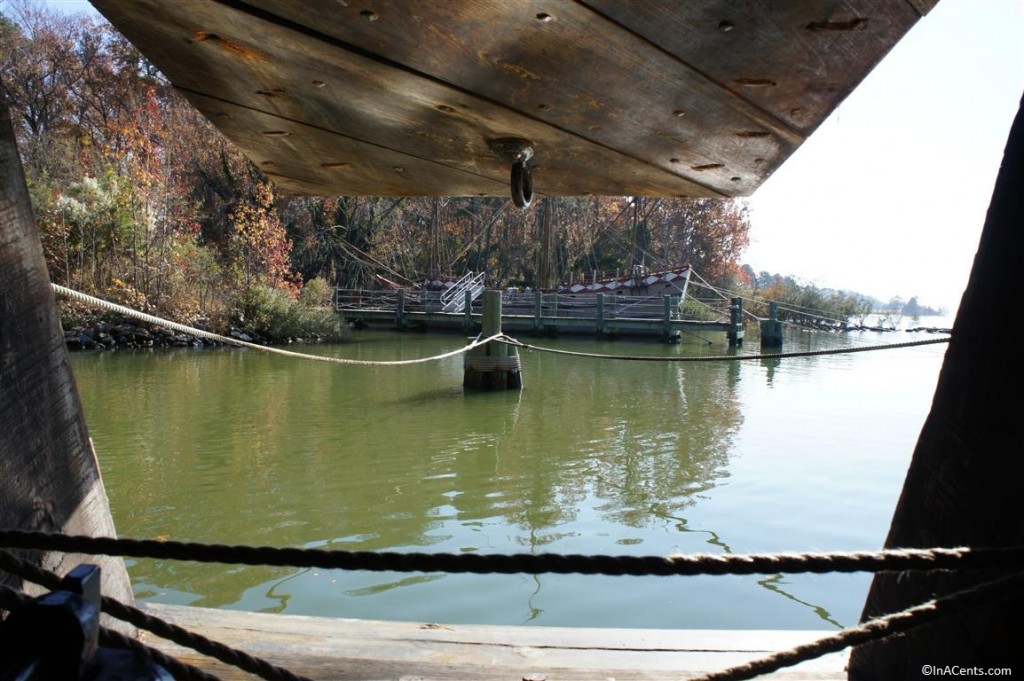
(963, 487)
(340, 649)
(49, 477)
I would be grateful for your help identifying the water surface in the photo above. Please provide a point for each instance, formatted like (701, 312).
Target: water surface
(597, 457)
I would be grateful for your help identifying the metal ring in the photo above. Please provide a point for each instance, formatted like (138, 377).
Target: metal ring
(522, 184)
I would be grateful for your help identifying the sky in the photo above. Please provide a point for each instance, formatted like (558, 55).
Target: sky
(888, 196)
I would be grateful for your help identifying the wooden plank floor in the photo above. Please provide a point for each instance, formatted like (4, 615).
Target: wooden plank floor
(348, 649)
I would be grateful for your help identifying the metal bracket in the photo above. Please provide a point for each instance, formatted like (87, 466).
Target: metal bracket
(518, 152)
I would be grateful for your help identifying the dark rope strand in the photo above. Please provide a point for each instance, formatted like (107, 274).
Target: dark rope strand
(695, 564)
(11, 600)
(155, 625)
(877, 628)
(724, 358)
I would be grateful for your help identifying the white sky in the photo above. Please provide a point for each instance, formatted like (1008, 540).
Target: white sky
(889, 195)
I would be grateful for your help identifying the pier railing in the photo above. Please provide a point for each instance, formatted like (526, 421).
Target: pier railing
(517, 302)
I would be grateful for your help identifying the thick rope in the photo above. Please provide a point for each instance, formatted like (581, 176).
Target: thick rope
(162, 628)
(877, 628)
(10, 600)
(200, 333)
(458, 563)
(890, 559)
(725, 358)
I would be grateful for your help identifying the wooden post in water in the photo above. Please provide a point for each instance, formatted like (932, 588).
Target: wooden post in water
(666, 318)
(492, 366)
(467, 310)
(771, 329)
(963, 486)
(400, 309)
(735, 332)
(600, 315)
(49, 477)
(538, 302)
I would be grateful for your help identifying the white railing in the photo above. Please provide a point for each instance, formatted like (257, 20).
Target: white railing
(454, 299)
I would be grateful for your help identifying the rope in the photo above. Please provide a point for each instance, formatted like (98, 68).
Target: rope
(888, 559)
(725, 358)
(877, 628)
(458, 563)
(199, 333)
(10, 600)
(155, 625)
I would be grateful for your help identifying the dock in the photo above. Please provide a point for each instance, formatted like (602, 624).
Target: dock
(350, 649)
(532, 312)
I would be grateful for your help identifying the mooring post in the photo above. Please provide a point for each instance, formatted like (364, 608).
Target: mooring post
(666, 317)
(736, 322)
(537, 303)
(400, 309)
(467, 307)
(600, 315)
(771, 328)
(492, 366)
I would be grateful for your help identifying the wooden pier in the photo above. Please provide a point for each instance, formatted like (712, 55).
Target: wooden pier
(349, 649)
(531, 312)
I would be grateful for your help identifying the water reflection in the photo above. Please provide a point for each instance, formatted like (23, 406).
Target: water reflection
(234, 446)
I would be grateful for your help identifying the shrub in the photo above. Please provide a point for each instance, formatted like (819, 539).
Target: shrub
(272, 313)
(316, 293)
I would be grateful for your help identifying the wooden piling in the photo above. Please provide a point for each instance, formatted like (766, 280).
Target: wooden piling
(492, 366)
(771, 329)
(666, 320)
(963, 483)
(735, 332)
(467, 310)
(49, 476)
(537, 308)
(400, 310)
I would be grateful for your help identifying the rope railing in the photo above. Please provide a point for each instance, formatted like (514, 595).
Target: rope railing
(877, 628)
(724, 358)
(959, 558)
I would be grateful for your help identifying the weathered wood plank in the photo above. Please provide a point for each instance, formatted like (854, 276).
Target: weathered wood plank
(331, 648)
(795, 60)
(49, 477)
(653, 97)
(351, 102)
(563, 64)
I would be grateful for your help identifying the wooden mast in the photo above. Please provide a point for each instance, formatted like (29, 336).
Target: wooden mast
(49, 477)
(963, 484)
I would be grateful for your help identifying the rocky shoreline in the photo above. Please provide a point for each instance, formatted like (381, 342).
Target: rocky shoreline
(130, 334)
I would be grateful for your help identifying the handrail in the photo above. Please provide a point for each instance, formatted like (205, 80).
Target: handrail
(454, 299)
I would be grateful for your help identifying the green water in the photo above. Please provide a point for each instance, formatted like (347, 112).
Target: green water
(596, 457)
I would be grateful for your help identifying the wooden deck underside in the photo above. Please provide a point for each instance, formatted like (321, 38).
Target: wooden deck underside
(347, 649)
(402, 97)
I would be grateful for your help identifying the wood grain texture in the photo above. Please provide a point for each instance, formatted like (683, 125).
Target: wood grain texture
(649, 98)
(336, 648)
(49, 476)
